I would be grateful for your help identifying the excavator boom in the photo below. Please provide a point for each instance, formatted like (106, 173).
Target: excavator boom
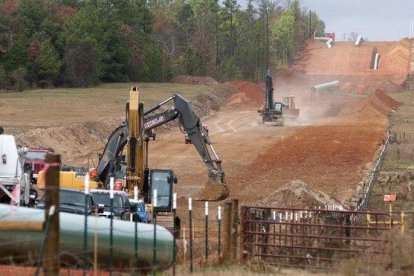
(111, 158)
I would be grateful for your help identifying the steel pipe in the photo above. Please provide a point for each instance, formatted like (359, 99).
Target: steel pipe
(24, 245)
(325, 86)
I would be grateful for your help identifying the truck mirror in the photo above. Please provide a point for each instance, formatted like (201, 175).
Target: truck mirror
(4, 158)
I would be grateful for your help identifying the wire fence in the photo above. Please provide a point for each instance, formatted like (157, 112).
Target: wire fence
(149, 248)
(362, 205)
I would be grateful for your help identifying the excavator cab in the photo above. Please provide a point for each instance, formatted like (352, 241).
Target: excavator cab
(278, 107)
(162, 181)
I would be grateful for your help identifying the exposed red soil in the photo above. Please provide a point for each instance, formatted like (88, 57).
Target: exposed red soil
(252, 90)
(351, 65)
(328, 148)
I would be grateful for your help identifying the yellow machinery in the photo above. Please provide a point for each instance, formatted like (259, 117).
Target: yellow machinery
(68, 179)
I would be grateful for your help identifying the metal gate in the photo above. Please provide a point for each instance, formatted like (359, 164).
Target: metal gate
(312, 238)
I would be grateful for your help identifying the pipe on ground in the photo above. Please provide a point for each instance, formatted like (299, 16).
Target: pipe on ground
(325, 86)
(23, 246)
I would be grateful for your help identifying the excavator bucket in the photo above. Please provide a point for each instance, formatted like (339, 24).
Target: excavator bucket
(213, 191)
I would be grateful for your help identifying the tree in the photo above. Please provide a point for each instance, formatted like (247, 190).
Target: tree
(15, 56)
(246, 50)
(284, 38)
(49, 63)
(80, 63)
(96, 29)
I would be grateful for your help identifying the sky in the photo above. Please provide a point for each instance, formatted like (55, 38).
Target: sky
(376, 20)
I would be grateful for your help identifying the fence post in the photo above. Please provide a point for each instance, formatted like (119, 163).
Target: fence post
(190, 207)
(227, 232)
(85, 225)
(111, 227)
(154, 217)
(235, 221)
(135, 218)
(174, 231)
(206, 227)
(51, 259)
(243, 249)
(219, 233)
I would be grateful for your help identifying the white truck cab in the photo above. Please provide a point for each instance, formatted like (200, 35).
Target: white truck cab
(12, 179)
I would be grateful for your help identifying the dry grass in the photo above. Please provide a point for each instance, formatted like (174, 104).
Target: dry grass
(28, 109)
(397, 261)
(400, 153)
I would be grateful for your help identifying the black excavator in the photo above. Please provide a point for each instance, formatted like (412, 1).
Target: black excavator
(275, 113)
(134, 168)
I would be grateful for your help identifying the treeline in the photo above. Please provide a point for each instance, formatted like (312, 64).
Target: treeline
(78, 43)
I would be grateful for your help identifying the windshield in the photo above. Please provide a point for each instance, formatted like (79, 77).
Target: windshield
(103, 198)
(160, 182)
(278, 106)
(73, 198)
(36, 155)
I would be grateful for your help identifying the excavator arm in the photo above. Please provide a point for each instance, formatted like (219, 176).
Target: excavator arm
(192, 126)
(112, 153)
(183, 110)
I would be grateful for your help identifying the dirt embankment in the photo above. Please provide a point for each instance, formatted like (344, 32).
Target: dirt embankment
(330, 158)
(80, 144)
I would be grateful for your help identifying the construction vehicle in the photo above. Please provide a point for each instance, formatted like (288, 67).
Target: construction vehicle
(132, 169)
(289, 110)
(34, 161)
(134, 134)
(15, 185)
(274, 113)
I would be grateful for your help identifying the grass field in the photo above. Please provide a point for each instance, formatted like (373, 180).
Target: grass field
(398, 166)
(54, 107)
(400, 152)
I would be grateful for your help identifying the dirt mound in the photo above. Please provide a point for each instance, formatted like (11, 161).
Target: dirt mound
(397, 58)
(388, 86)
(328, 158)
(186, 79)
(240, 100)
(252, 90)
(296, 194)
(76, 143)
(381, 102)
(206, 104)
(370, 108)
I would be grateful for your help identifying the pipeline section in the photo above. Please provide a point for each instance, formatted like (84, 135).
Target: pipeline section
(21, 246)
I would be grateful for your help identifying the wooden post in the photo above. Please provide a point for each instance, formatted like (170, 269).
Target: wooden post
(243, 248)
(51, 257)
(227, 232)
(235, 221)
